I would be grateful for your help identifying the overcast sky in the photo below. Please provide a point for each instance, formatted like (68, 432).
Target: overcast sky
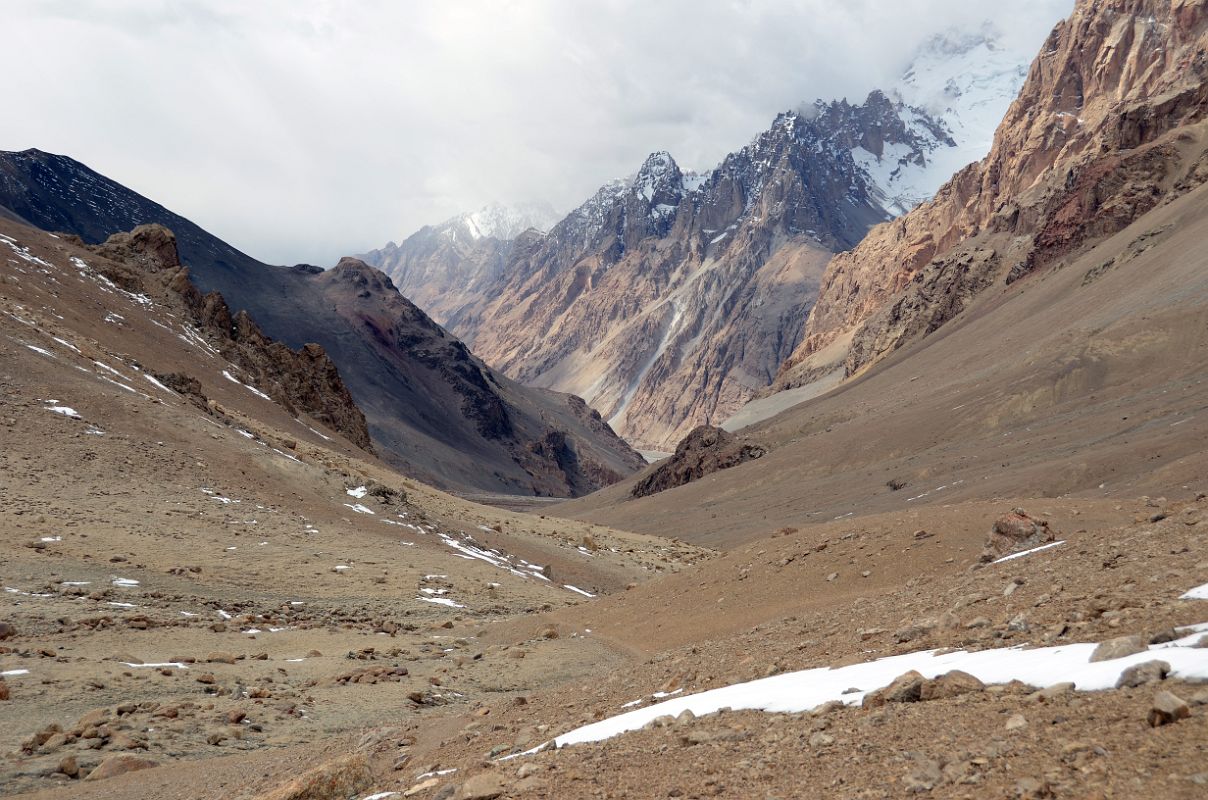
(302, 130)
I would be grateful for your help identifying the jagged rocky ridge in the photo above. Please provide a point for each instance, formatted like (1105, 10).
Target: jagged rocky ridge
(1106, 127)
(669, 298)
(304, 380)
(433, 410)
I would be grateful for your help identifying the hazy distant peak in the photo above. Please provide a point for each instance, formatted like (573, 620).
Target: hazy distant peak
(506, 222)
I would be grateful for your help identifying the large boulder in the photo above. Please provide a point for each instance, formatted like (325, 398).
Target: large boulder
(1014, 532)
(119, 765)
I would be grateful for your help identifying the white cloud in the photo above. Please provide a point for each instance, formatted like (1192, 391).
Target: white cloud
(300, 130)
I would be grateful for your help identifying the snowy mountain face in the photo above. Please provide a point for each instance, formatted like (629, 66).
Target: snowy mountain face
(506, 222)
(952, 97)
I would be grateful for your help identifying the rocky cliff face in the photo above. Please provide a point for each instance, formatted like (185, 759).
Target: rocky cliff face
(145, 260)
(669, 298)
(1106, 127)
(432, 409)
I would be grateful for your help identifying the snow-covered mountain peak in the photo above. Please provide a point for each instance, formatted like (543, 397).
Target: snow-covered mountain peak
(659, 180)
(507, 222)
(968, 79)
(952, 97)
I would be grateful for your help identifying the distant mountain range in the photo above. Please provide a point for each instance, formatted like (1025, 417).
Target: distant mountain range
(670, 298)
(445, 268)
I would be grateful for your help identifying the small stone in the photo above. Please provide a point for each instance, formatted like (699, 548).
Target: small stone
(1162, 637)
(69, 766)
(119, 765)
(220, 658)
(925, 778)
(906, 688)
(950, 684)
(1018, 623)
(1143, 673)
(1167, 708)
(422, 786)
(1032, 789)
(1016, 722)
(820, 739)
(527, 770)
(7, 631)
(483, 786)
(1056, 690)
(1119, 647)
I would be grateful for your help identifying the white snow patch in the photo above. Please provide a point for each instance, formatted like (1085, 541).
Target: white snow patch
(1198, 593)
(1027, 552)
(800, 691)
(441, 601)
(360, 509)
(158, 384)
(124, 582)
(358, 492)
(66, 411)
(10, 672)
(577, 589)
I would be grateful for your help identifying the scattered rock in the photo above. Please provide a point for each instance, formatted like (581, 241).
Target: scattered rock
(1014, 532)
(1119, 647)
(1162, 637)
(1167, 708)
(906, 688)
(950, 684)
(483, 786)
(341, 778)
(1143, 673)
(7, 631)
(69, 766)
(119, 765)
(1032, 789)
(1017, 722)
(1056, 690)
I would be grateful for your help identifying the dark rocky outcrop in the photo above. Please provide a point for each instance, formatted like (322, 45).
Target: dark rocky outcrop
(302, 381)
(702, 452)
